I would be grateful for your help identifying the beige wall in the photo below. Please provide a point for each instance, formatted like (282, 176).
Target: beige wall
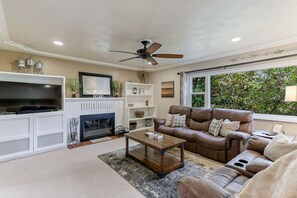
(59, 67)
(171, 75)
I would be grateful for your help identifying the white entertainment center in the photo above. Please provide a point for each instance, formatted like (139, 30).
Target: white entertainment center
(27, 134)
(35, 132)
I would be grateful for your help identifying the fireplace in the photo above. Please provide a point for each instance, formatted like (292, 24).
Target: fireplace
(96, 126)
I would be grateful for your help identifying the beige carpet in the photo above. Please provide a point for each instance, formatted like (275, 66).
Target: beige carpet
(65, 174)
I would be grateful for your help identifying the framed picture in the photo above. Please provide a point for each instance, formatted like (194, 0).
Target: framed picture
(278, 128)
(167, 89)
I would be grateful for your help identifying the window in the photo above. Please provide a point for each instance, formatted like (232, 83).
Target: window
(261, 91)
(198, 92)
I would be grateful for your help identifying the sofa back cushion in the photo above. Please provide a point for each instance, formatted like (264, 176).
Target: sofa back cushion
(245, 118)
(200, 119)
(174, 109)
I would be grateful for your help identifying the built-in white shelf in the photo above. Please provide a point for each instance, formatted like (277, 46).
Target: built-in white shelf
(142, 107)
(140, 102)
(143, 128)
(145, 117)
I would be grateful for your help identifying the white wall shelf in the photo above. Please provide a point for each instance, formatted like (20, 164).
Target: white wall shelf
(142, 128)
(146, 117)
(139, 101)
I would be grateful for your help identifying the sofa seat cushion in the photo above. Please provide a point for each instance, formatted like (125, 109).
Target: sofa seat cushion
(224, 176)
(236, 185)
(186, 134)
(166, 130)
(199, 187)
(229, 179)
(212, 142)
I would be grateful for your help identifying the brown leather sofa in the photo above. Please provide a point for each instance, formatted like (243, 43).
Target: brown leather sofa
(218, 148)
(229, 179)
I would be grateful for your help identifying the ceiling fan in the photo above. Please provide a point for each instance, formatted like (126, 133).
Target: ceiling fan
(148, 53)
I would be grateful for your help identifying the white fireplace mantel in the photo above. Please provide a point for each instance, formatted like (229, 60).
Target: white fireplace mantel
(75, 107)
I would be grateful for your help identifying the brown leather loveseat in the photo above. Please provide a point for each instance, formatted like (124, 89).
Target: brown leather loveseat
(218, 148)
(229, 179)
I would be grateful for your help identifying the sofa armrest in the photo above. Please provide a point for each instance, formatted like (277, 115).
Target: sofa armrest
(258, 144)
(190, 187)
(158, 122)
(238, 135)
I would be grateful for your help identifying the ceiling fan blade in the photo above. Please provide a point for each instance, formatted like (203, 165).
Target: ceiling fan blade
(152, 61)
(123, 52)
(154, 47)
(128, 59)
(168, 55)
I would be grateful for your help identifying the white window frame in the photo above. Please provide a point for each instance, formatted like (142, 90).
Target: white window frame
(243, 68)
(206, 93)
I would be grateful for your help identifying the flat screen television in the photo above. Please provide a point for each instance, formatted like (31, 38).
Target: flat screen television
(20, 98)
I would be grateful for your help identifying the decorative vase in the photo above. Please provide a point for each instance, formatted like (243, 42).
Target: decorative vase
(116, 94)
(73, 95)
(135, 90)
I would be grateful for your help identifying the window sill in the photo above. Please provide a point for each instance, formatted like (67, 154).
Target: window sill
(275, 118)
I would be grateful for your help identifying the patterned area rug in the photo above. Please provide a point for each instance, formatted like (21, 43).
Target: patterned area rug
(147, 182)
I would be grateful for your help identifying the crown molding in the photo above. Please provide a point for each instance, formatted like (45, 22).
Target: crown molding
(233, 53)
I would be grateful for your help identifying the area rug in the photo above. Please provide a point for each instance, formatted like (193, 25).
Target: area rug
(147, 182)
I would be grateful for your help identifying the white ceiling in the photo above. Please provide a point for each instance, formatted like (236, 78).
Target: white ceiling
(199, 29)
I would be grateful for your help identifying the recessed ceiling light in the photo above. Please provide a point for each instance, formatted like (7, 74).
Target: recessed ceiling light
(58, 43)
(236, 39)
(149, 63)
(47, 86)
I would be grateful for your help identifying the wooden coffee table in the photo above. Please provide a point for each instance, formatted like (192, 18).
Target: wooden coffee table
(152, 155)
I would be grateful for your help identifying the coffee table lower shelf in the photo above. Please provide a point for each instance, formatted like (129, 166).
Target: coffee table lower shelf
(152, 159)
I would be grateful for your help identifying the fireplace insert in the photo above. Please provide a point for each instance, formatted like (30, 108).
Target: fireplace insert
(96, 126)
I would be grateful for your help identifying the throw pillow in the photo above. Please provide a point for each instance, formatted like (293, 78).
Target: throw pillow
(179, 121)
(229, 126)
(169, 119)
(279, 146)
(215, 126)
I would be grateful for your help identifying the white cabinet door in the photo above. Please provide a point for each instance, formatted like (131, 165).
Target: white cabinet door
(49, 131)
(16, 136)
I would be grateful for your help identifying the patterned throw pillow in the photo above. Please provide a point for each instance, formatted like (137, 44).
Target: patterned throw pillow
(215, 126)
(169, 119)
(229, 126)
(179, 121)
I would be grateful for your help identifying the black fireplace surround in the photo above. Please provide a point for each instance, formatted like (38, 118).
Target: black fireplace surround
(96, 126)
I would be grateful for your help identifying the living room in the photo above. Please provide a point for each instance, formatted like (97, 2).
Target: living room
(196, 56)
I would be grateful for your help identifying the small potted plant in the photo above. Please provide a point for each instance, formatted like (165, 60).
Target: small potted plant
(116, 86)
(73, 85)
